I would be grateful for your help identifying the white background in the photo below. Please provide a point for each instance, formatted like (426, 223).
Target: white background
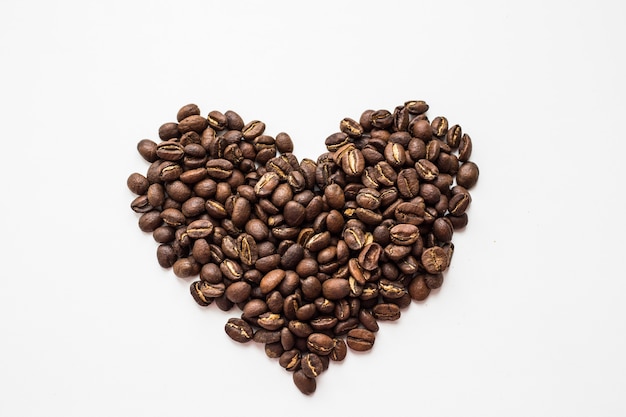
(531, 319)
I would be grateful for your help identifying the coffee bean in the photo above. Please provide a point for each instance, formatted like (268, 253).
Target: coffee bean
(465, 148)
(320, 343)
(433, 281)
(367, 320)
(459, 203)
(434, 260)
(186, 267)
(382, 119)
(147, 150)
(307, 385)
(335, 288)
(370, 255)
(404, 234)
(239, 330)
(386, 311)
(238, 292)
(311, 364)
(360, 340)
(467, 176)
(271, 280)
(354, 237)
(197, 294)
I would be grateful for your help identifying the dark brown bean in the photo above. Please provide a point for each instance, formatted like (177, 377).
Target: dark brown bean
(239, 330)
(360, 340)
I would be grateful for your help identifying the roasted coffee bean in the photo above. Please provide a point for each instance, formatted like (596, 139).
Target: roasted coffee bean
(343, 327)
(404, 234)
(170, 151)
(439, 126)
(173, 217)
(459, 203)
(443, 229)
(395, 154)
(311, 364)
(336, 141)
(307, 267)
(421, 129)
(367, 319)
(335, 288)
(354, 237)
(166, 256)
(254, 308)
(137, 183)
(299, 328)
(307, 385)
(271, 321)
(198, 295)
(320, 343)
(169, 171)
(186, 267)
(193, 207)
(271, 280)
(360, 340)
(391, 289)
(353, 163)
(231, 269)
(141, 204)
(219, 169)
(369, 256)
(426, 170)
(217, 120)
(382, 119)
(266, 336)
(169, 130)
(408, 183)
(274, 350)
(163, 234)
(339, 351)
(410, 213)
(147, 150)
(465, 148)
(306, 312)
(238, 292)
(368, 198)
(239, 330)
(194, 123)
(290, 359)
(385, 174)
(323, 323)
(351, 127)
(253, 129)
(416, 106)
(433, 281)
(267, 263)
(248, 252)
(267, 184)
(418, 290)
(430, 194)
(386, 311)
(434, 260)
(199, 229)
(467, 176)
(458, 222)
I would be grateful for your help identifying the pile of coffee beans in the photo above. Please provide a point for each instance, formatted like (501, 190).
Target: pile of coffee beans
(314, 252)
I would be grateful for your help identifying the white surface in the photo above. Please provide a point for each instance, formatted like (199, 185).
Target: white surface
(531, 318)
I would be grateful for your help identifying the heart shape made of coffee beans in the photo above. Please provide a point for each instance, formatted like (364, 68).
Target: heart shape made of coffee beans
(314, 252)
